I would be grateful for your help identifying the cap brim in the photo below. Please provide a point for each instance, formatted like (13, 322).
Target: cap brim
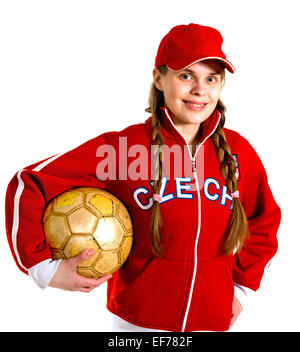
(226, 63)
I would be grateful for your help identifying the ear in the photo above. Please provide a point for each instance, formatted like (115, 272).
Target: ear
(157, 79)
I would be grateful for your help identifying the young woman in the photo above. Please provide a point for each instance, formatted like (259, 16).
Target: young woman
(204, 217)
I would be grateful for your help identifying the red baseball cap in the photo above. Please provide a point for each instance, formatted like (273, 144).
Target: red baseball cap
(185, 45)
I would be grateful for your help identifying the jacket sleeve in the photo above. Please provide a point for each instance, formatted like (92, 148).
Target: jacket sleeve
(33, 187)
(263, 216)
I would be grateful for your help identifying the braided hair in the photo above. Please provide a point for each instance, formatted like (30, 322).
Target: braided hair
(156, 101)
(237, 229)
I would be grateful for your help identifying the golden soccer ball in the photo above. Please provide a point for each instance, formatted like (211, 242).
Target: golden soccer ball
(84, 218)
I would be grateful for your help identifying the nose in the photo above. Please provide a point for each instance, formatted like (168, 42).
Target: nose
(198, 89)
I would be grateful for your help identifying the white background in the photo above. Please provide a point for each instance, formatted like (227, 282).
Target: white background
(71, 70)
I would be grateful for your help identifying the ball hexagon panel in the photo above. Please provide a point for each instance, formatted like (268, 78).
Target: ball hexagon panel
(110, 260)
(103, 205)
(67, 202)
(109, 233)
(79, 243)
(58, 227)
(82, 221)
(125, 219)
(126, 246)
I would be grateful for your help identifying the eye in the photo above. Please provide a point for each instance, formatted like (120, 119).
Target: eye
(211, 79)
(185, 76)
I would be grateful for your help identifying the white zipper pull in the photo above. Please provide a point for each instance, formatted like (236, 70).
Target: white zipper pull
(194, 165)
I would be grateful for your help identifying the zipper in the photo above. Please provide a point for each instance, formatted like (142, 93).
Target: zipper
(194, 165)
(194, 170)
(187, 309)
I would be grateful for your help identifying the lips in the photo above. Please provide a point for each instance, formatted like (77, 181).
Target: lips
(195, 105)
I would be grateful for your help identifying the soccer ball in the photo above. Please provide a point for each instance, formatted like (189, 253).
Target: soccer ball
(84, 218)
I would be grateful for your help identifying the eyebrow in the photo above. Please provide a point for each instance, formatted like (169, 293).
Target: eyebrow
(210, 74)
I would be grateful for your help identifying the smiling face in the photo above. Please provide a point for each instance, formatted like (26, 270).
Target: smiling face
(191, 94)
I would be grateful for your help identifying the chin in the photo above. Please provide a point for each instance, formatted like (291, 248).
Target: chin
(199, 117)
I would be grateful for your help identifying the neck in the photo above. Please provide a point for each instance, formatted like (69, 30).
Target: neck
(192, 134)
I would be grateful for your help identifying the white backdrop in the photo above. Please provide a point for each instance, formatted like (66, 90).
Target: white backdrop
(71, 70)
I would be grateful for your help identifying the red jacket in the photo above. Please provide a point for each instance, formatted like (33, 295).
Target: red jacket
(191, 287)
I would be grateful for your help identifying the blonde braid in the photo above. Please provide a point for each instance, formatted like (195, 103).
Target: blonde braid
(237, 229)
(156, 101)
(156, 219)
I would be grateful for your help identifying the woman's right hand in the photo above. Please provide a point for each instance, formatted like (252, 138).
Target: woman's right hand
(67, 278)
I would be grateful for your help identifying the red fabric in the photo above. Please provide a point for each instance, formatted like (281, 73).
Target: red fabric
(147, 291)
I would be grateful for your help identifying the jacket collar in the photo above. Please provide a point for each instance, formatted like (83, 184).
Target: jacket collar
(168, 127)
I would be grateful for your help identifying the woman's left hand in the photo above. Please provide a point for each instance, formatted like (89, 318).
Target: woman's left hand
(236, 310)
